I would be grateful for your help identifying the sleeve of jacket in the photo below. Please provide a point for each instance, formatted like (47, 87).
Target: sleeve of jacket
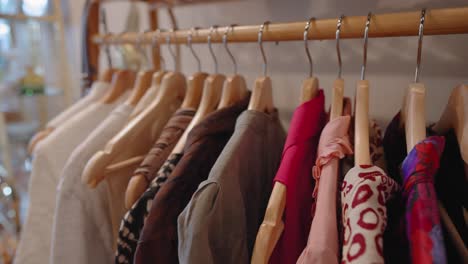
(193, 227)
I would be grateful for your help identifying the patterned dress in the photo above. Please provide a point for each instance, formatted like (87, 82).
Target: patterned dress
(364, 193)
(134, 219)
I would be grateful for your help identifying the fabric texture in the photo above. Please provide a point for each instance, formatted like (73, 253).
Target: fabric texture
(221, 221)
(133, 221)
(334, 144)
(74, 238)
(423, 227)
(204, 144)
(98, 90)
(450, 185)
(298, 158)
(50, 157)
(364, 193)
(156, 174)
(164, 145)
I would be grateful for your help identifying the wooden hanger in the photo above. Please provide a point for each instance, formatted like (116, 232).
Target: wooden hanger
(196, 82)
(414, 115)
(142, 84)
(262, 93)
(361, 126)
(272, 225)
(262, 96)
(414, 108)
(121, 81)
(310, 86)
(209, 102)
(337, 99)
(172, 90)
(235, 88)
(138, 183)
(150, 95)
(338, 85)
(106, 76)
(455, 117)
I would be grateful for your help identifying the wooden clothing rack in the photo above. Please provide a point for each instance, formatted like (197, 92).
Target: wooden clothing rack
(437, 22)
(91, 20)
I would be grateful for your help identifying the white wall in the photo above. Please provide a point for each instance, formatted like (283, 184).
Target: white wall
(391, 61)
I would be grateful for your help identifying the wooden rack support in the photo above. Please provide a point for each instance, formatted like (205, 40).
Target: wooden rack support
(438, 22)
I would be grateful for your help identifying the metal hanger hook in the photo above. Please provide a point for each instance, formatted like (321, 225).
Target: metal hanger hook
(420, 34)
(260, 43)
(189, 44)
(306, 37)
(155, 43)
(338, 52)
(168, 42)
(366, 38)
(225, 42)
(213, 28)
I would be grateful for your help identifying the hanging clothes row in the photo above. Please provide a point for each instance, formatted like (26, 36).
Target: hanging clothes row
(156, 167)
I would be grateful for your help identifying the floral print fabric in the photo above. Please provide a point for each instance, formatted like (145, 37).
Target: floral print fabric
(423, 227)
(364, 193)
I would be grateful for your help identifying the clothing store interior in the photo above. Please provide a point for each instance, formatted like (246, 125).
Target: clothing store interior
(233, 131)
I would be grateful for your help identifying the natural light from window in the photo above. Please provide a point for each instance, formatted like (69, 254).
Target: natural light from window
(35, 7)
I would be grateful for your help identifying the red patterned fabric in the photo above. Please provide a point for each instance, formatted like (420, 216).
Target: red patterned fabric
(423, 227)
(364, 193)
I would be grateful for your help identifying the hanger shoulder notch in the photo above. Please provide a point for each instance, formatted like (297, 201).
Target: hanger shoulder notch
(142, 83)
(455, 117)
(262, 96)
(121, 81)
(310, 88)
(234, 90)
(194, 90)
(172, 84)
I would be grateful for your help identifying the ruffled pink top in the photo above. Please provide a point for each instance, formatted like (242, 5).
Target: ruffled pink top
(322, 245)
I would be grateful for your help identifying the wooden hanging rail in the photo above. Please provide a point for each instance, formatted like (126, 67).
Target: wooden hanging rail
(438, 22)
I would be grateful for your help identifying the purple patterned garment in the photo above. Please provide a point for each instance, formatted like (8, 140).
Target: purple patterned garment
(423, 227)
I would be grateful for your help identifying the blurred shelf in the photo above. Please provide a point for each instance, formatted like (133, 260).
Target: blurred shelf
(168, 2)
(49, 91)
(23, 17)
